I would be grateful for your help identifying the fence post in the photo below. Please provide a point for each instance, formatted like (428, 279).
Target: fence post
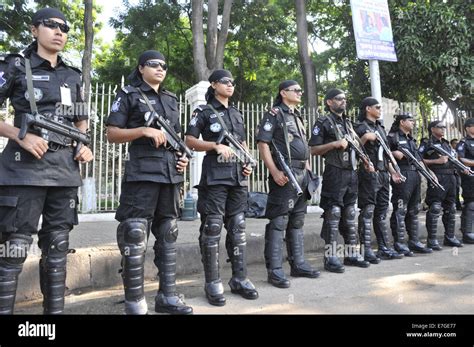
(196, 95)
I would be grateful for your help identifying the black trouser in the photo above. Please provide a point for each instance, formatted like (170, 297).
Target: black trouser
(339, 187)
(158, 203)
(20, 211)
(286, 212)
(406, 205)
(222, 205)
(436, 199)
(374, 189)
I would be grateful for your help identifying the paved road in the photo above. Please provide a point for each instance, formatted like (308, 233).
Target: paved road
(440, 283)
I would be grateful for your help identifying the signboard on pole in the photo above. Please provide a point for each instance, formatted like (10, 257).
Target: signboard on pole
(372, 30)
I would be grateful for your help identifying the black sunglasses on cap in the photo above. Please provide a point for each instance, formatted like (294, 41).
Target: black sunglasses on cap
(52, 24)
(155, 64)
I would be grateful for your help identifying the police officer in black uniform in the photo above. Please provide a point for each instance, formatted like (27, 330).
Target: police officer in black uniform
(374, 187)
(339, 189)
(39, 177)
(282, 129)
(150, 187)
(436, 198)
(222, 189)
(465, 150)
(405, 195)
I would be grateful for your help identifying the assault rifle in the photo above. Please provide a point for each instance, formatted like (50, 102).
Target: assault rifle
(240, 151)
(390, 155)
(420, 168)
(452, 159)
(287, 170)
(45, 125)
(172, 138)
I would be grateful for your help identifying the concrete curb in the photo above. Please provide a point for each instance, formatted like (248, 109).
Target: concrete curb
(97, 267)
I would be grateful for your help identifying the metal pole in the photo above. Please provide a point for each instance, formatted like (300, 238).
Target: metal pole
(375, 87)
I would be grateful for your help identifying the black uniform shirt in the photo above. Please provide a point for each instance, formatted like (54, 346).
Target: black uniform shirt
(145, 162)
(323, 132)
(373, 148)
(17, 166)
(204, 122)
(427, 152)
(465, 148)
(406, 141)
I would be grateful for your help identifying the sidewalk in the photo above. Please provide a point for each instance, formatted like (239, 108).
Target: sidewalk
(96, 262)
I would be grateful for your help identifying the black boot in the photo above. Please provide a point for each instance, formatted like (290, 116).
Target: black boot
(329, 233)
(236, 246)
(10, 269)
(274, 251)
(449, 221)
(384, 252)
(295, 248)
(414, 242)
(467, 223)
(131, 240)
(352, 256)
(397, 224)
(365, 233)
(210, 238)
(167, 299)
(432, 225)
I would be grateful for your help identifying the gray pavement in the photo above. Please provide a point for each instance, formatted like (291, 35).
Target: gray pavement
(441, 283)
(389, 287)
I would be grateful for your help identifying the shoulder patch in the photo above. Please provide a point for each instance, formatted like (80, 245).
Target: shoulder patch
(274, 111)
(128, 89)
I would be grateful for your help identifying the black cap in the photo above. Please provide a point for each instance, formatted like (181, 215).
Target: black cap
(333, 92)
(286, 84)
(469, 122)
(433, 124)
(368, 102)
(403, 116)
(149, 55)
(46, 13)
(218, 74)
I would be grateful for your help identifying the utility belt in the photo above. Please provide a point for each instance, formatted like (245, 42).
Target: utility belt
(407, 167)
(298, 164)
(443, 171)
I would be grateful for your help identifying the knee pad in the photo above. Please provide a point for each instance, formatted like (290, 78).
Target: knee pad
(213, 225)
(334, 213)
(451, 209)
(414, 210)
(470, 206)
(349, 213)
(435, 208)
(131, 236)
(167, 230)
(367, 212)
(236, 223)
(55, 244)
(16, 250)
(279, 223)
(296, 221)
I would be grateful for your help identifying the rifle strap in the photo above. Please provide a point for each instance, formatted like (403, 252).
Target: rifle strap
(29, 86)
(340, 136)
(147, 101)
(285, 132)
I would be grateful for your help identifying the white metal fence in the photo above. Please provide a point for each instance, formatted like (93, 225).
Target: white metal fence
(106, 169)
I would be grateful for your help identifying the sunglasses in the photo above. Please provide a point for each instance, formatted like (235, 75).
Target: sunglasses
(155, 64)
(226, 81)
(440, 127)
(297, 91)
(378, 107)
(340, 98)
(49, 23)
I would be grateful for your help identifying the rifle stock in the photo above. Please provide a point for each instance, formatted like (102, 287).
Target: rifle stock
(453, 160)
(287, 170)
(240, 152)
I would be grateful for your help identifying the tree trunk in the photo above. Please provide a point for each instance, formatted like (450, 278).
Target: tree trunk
(87, 57)
(307, 66)
(199, 57)
(210, 56)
